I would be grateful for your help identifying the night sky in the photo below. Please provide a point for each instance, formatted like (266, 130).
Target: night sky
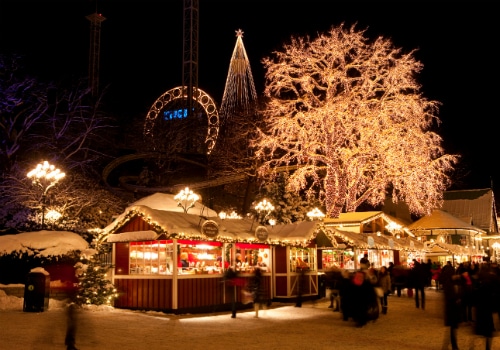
(141, 52)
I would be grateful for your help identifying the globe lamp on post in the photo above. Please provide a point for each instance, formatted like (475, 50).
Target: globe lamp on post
(45, 176)
(264, 208)
(186, 199)
(315, 214)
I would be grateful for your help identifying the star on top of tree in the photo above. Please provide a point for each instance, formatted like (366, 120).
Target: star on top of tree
(239, 33)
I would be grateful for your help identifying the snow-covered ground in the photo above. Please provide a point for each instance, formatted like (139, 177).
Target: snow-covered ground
(313, 326)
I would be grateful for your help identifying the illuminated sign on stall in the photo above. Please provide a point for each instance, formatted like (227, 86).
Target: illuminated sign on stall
(210, 229)
(261, 233)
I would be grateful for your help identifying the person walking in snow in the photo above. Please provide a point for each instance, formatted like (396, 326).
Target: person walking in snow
(384, 282)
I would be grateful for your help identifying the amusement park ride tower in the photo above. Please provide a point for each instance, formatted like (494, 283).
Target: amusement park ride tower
(95, 51)
(184, 120)
(181, 128)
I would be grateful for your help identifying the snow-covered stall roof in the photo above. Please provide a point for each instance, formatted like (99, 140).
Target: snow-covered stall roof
(440, 248)
(133, 236)
(351, 239)
(169, 224)
(476, 207)
(441, 220)
(411, 244)
(166, 202)
(295, 233)
(355, 219)
(42, 243)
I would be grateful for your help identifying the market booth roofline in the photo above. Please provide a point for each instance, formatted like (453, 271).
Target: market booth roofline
(384, 238)
(449, 238)
(368, 221)
(175, 261)
(187, 226)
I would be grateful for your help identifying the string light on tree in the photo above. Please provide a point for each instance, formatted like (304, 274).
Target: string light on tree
(239, 93)
(53, 216)
(353, 126)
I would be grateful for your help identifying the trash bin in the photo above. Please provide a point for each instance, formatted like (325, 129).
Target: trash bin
(322, 285)
(36, 290)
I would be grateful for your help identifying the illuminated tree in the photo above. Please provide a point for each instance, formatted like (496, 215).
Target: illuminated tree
(347, 116)
(94, 286)
(238, 115)
(232, 155)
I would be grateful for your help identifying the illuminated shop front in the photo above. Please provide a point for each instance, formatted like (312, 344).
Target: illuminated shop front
(174, 261)
(448, 238)
(380, 236)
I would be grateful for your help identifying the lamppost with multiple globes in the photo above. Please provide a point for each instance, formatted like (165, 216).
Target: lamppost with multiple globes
(186, 199)
(263, 208)
(315, 214)
(45, 176)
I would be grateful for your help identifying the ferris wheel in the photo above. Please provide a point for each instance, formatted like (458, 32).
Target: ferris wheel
(175, 124)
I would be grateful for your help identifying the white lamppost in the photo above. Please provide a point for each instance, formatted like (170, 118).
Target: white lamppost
(186, 199)
(264, 208)
(315, 214)
(45, 176)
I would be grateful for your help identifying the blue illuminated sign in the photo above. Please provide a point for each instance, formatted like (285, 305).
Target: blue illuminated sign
(175, 114)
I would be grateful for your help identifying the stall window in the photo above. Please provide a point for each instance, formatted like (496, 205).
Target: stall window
(333, 258)
(302, 258)
(151, 257)
(200, 257)
(157, 257)
(251, 256)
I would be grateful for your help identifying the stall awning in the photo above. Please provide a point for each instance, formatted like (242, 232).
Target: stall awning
(132, 236)
(445, 248)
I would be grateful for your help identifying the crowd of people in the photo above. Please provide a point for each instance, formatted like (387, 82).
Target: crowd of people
(471, 294)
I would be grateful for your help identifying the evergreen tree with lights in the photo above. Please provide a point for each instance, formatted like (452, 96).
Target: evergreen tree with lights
(288, 207)
(93, 286)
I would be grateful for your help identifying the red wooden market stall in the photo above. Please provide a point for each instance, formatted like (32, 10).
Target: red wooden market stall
(175, 262)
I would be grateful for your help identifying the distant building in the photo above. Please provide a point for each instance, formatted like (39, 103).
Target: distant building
(476, 207)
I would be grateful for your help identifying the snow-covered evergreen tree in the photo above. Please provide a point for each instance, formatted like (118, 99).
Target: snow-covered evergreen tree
(94, 288)
(288, 206)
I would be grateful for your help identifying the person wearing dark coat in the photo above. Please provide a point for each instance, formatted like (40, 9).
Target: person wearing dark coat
(467, 291)
(384, 282)
(428, 272)
(257, 289)
(485, 295)
(346, 296)
(451, 287)
(364, 305)
(389, 270)
(71, 288)
(418, 280)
